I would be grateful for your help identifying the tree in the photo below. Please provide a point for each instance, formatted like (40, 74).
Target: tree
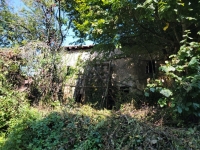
(46, 21)
(18, 28)
(150, 24)
(38, 30)
(8, 32)
(40, 20)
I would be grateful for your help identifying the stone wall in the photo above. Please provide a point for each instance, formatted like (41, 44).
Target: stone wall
(127, 73)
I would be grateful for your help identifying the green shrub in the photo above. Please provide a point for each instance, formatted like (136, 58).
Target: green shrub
(183, 71)
(11, 101)
(93, 142)
(19, 132)
(10, 106)
(88, 129)
(30, 132)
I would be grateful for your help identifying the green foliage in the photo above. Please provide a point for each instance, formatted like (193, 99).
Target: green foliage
(134, 25)
(46, 69)
(19, 127)
(29, 24)
(83, 128)
(11, 101)
(13, 104)
(10, 106)
(37, 27)
(93, 141)
(54, 131)
(184, 72)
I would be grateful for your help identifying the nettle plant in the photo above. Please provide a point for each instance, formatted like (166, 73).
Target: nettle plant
(183, 71)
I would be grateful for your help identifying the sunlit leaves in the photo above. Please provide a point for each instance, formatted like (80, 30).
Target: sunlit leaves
(166, 92)
(167, 68)
(193, 62)
(162, 102)
(184, 70)
(161, 21)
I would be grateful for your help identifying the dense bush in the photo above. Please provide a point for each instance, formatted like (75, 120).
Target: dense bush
(86, 128)
(19, 131)
(11, 101)
(54, 131)
(182, 92)
(30, 132)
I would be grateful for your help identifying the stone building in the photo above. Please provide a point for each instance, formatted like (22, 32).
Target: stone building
(107, 81)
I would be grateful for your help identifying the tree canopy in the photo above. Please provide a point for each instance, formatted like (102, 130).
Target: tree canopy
(38, 20)
(151, 24)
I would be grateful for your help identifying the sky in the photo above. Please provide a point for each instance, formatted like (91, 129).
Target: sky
(18, 4)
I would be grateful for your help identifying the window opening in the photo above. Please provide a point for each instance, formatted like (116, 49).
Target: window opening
(79, 98)
(150, 67)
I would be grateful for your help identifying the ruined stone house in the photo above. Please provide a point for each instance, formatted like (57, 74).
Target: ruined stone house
(106, 82)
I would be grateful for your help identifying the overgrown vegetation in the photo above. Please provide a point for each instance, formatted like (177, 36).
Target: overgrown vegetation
(33, 113)
(87, 128)
(180, 89)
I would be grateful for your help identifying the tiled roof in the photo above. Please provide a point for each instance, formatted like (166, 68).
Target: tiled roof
(76, 47)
